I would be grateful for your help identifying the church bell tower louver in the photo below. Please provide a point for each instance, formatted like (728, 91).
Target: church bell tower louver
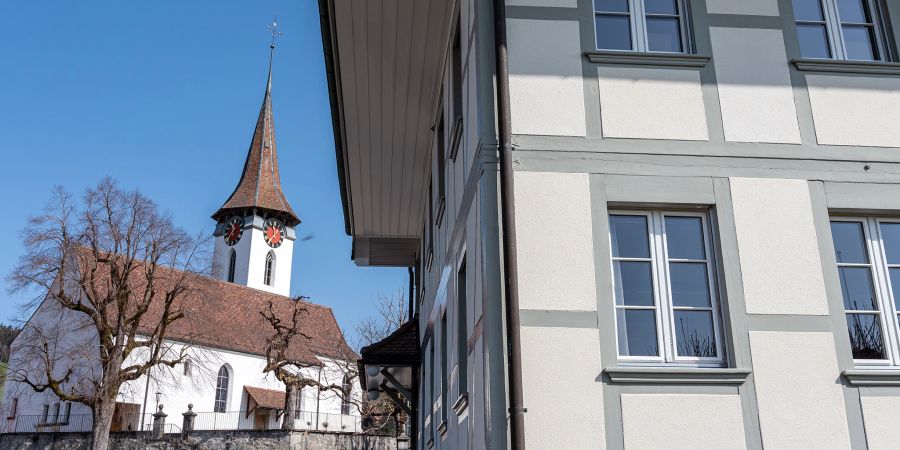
(255, 227)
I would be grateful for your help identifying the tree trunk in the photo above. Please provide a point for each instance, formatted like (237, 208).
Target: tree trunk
(290, 405)
(103, 416)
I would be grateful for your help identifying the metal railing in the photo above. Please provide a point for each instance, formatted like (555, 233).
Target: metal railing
(203, 421)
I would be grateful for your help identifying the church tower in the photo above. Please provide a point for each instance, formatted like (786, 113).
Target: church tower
(255, 227)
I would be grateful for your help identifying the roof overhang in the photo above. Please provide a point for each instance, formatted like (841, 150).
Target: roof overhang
(384, 60)
(390, 365)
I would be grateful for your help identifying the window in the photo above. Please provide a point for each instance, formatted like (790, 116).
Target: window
(232, 260)
(54, 413)
(222, 390)
(665, 297)
(456, 80)
(187, 367)
(67, 409)
(441, 170)
(444, 373)
(641, 25)
(867, 251)
(428, 232)
(298, 402)
(269, 274)
(13, 409)
(462, 331)
(839, 29)
(346, 390)
(45, 414)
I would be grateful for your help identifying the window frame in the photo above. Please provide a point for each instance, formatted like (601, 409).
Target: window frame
(884, 295)
(269, 270)
(637, 22)
(232, 263)
(225, 389)
(834, 31)
(462, 325)
(666, 337)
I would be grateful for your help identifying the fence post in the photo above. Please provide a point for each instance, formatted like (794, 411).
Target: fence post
(159, 423)
(187, 425)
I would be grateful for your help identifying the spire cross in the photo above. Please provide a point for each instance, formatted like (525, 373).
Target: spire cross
(274, 30)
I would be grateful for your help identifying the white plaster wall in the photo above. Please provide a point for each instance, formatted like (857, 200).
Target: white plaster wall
(880, 419)
(560, 367)
(798, 390)
(855, 110)
(754, 85)
(555, 241)
(690, 422)
(652, 103)
(748, 7)
(780, 261)
(545, 80)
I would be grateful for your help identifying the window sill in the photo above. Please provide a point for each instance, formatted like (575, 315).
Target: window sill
(676, 375)
(442, 428)
(461, 403)
(849, 67)
(872, 377)
(648, 59)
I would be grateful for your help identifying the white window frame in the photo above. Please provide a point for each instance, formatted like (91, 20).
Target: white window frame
(882, 285)
(637, 18)
(835, 33)
(662, 292)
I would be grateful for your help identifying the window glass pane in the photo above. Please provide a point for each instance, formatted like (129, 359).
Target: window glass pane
(890, 235)
(694, 332)
(856, 287)
(853, 11)
(808, 10)
(813, 41)
(629, 236)
(684, 238)
(637, 332)
(661, 7)
(895, 286)
(634, 283)
(865, 336)
(663, 35)
(859, 43)
(611, 5)
(690, 285)
(613, 32)
(849, 242)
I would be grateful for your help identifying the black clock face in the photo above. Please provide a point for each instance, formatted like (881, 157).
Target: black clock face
(274, 232)
(234, 228)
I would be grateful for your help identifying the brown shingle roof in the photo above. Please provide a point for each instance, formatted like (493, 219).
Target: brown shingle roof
(266, 398)
(260, 183)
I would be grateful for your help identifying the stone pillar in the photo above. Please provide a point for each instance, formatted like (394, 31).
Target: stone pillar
(159, 423)
(187, 425)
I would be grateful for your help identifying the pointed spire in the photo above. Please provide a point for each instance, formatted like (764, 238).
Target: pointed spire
(260, 185)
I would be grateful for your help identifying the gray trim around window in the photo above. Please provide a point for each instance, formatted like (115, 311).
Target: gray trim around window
(846, 66)
(676, 375)
(647, 59)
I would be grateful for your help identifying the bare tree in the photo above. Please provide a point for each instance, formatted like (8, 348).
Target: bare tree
(105, 263)
(390, 313)
(288, 358)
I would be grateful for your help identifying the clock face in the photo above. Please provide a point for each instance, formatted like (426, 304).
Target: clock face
(234, 228)
(274, 231)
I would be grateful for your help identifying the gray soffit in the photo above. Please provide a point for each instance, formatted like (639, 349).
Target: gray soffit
(384, 62)
(676, 375)
(849, 67)
(388, 252)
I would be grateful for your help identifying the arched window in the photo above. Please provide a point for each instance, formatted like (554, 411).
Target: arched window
(269, 274)
(232, 260)
(221, 390)
(346, 390)
(188, 369)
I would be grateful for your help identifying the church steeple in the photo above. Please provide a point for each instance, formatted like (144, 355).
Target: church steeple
(255, 227)
(259, 188)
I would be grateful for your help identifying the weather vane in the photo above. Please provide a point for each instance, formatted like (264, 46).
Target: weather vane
(274, 30)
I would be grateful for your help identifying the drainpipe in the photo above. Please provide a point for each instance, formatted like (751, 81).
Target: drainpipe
(412, 291)
(508, 224)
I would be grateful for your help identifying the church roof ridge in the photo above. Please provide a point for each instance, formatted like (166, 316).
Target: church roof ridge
(259, 187)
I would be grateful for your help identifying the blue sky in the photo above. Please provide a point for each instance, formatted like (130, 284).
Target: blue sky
(163, 96)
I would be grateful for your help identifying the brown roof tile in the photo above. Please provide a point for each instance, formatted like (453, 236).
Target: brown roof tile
(266, 398)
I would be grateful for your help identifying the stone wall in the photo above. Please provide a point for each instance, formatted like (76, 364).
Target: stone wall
(206, 440)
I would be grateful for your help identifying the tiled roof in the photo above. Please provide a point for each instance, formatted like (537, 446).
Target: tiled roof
(260, 184)
(400, 347)
(266, 398)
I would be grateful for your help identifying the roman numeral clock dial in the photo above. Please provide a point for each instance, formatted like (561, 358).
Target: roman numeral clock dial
(274, 233)
(234, 228)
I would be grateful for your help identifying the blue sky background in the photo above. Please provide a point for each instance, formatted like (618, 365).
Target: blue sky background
(163, 96)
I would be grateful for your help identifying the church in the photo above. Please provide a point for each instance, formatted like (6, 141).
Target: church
(222, 380)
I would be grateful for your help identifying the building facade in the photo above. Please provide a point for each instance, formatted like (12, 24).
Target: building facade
(706, 200)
